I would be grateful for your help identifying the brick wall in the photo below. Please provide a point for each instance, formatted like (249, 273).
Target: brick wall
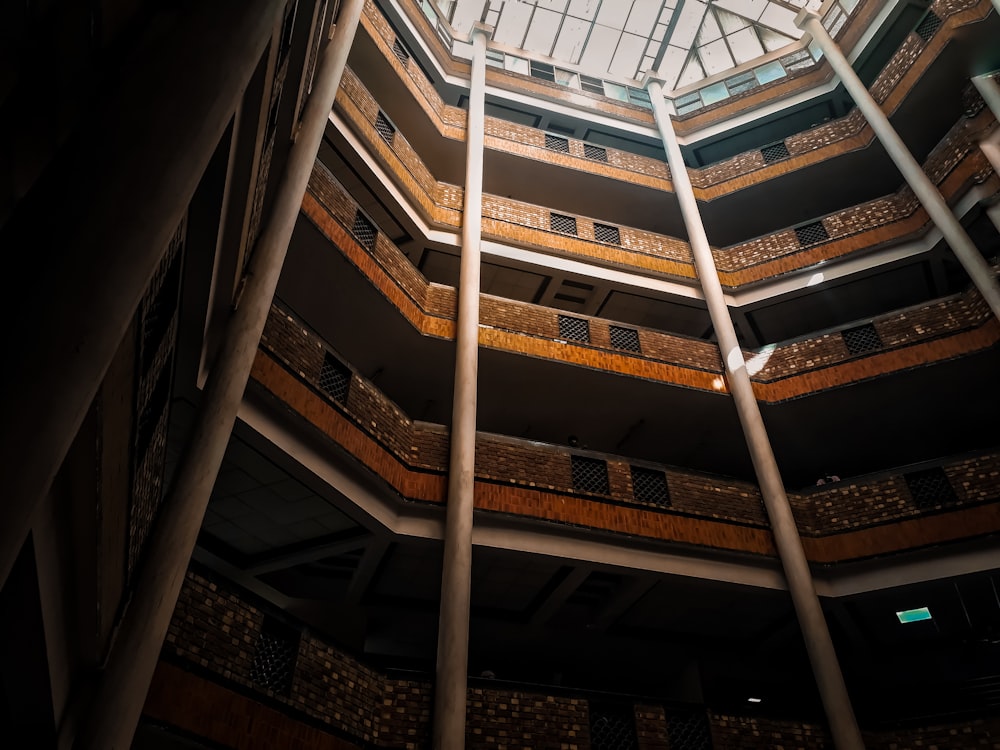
(216, 630)
(739, 171)
(788, 371)
(955, 164)
(757, 733)
(499, 718)
(513, 476)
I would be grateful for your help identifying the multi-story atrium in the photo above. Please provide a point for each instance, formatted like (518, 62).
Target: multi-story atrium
(584, 374)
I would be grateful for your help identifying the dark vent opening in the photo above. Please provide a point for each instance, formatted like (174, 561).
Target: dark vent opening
(287, 29)
(273, 665)
(688, 730)
(650, 486)
(543, 70)
(364, 231)
(774, 152)
(607, 234)
(335, 378)
(272, 116)
(595, 152)
(862, 339)
(612, 727)
(401, 53)
(555, 143)
(385, 128)
(562, 223)
(811, 234)
(625, 338)
(574, 329)
(930, 488)
(590, 475)
(591, 84)
(928, 26)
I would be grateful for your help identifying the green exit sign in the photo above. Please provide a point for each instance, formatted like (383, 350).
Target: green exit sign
(914, 615)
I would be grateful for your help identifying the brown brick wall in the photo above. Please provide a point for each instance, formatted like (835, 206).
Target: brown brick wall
(216, 630)
(801, 367)
(511, 464)
(731, 174)
(362, 705)
(746, 733)
(956, 164)
(514, 719)
(651, 728)
(751, 733)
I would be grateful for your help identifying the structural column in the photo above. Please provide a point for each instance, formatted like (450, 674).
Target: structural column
(822, 655)
(925, 190)
(121, 690)
(147, 154)
(989, 89)
(456, 578)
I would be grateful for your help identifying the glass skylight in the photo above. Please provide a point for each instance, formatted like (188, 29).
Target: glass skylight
(685, 40)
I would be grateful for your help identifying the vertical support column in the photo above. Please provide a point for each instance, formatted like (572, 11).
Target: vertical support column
(456, 578)
(989, 88)
(925, 190)
(147, 154)
(822, 655)
(122, 686)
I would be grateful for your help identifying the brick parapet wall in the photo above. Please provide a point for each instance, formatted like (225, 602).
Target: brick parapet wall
(218, 631)
(956, 163)
(731, 174)
(333, 689)
(917, 335)
(510, 463)
(760, 733)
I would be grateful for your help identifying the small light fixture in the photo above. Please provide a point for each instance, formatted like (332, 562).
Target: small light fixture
(753, 700)
(914, 615)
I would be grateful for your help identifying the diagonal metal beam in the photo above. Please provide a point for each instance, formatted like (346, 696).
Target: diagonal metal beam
(366, 570)
(621, 602)
(287, 557)
(558, 596)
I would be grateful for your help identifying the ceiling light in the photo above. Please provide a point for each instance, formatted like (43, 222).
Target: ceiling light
(753, 700)
(914, 615)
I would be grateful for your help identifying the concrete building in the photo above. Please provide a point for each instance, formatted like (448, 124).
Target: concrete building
(501, 373)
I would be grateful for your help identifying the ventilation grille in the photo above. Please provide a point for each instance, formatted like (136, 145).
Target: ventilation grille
(928, 26)
(385, 128)
(555, 143)
(364, 231)
(613, 728)
(688, 731)
(862, 339)
(625, 338)
(590, 475)
(607, 234)
(930, 488)
(774, 152)
(335, 378)
(811, 234)
(273, 665)
(562, 223)
(401, 53)
(650, 486)
(574, 329)
(595, 152)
